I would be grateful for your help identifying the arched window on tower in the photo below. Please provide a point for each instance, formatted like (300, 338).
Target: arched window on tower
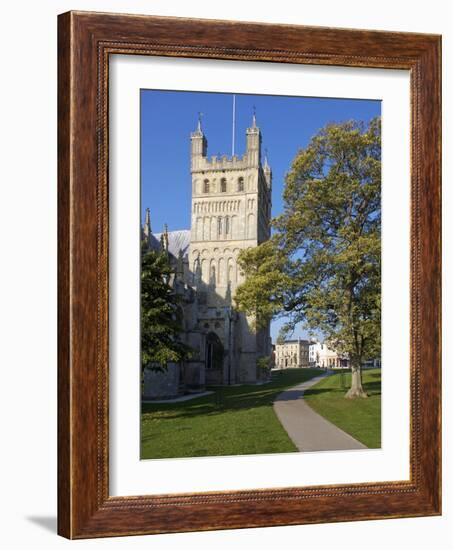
(212, 278)
(241, 184)
(196, 271)
(206, 186)
(230, 272)
(223, 185)
(227, 225)
(219, 226)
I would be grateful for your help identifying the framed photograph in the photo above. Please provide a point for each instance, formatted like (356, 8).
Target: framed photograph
(249, 275)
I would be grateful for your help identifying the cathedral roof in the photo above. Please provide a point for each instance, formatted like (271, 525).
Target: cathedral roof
(177, 241)
(154, 242)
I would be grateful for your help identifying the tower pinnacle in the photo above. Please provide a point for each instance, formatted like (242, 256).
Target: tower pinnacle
(166, 238)
(253, 139)
(199, 145)
(200, 114)
(147, 226)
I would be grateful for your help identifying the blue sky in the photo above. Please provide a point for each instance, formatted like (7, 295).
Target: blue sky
(167, 119)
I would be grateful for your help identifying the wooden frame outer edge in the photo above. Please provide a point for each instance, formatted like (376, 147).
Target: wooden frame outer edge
(85, 508)
(64, 314)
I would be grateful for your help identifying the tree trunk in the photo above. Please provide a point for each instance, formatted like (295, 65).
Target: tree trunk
(356, 389)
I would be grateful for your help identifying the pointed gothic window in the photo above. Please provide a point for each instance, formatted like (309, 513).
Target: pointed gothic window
(241, 184)
(223, 184)
(196, 271)
(206, 186)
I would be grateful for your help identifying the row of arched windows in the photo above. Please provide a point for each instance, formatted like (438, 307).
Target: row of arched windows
(221, 271)
(223, 226)
(217, 206)
(208, 188)
(211, 228)
(215, 227)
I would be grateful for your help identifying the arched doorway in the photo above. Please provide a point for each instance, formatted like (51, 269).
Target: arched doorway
(214, 352)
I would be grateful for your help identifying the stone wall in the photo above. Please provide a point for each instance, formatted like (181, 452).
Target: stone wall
(161, 385)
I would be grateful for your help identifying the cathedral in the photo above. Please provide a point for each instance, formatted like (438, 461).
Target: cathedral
(230, 211)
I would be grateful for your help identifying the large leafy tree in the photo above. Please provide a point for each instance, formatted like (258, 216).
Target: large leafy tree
(161, 313)
(322, 266)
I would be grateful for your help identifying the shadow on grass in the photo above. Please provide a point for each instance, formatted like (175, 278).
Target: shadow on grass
(372, 388)
(247, 397)
(232, 398)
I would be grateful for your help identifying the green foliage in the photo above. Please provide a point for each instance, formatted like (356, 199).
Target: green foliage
(280, 339)
(322, 267)
(267, 284)
(263, 364)
(161, 313)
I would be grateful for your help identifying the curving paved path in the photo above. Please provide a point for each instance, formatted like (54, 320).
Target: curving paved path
(307, 429)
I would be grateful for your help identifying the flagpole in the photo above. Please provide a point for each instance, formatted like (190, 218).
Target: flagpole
(234, 124)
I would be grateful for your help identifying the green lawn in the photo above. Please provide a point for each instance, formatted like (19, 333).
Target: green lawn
(360, 418)
(234, 420)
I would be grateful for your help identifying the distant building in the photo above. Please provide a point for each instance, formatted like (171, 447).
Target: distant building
(292, 354)
(326, 358)
(372, 364)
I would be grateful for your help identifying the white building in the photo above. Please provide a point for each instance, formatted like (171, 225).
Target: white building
(322, 356)
(292, 354)
(372, 364)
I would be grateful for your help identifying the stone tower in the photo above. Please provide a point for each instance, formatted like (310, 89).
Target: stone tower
(231, 210)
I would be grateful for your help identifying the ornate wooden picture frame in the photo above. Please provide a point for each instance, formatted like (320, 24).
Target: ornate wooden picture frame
(85, 42)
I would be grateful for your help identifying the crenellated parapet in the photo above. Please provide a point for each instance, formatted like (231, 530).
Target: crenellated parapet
(221, 163)
(200, 162)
